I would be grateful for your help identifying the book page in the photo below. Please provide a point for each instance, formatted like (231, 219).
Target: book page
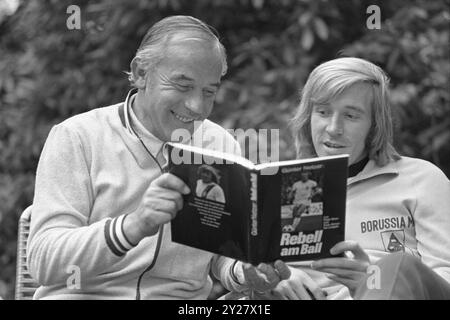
(303, 209)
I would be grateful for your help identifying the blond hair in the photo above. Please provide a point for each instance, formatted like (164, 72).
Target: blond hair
(330, 79)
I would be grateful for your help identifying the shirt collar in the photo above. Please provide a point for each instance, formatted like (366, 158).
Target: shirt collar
(357, 167)
(134, 144)
(153, 144)
(371, 169)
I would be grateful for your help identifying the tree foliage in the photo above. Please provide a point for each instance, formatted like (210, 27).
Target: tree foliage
(49, 73)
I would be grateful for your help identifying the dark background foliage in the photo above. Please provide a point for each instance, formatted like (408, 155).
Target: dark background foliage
(49, 73)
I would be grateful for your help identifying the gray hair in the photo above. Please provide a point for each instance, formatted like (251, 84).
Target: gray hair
(330, 79)
(153, 46)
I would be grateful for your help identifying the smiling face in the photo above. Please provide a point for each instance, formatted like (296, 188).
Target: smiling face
(181, 88)
(343, 124)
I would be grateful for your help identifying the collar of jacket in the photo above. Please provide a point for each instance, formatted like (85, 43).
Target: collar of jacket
(123, 110)
(372, 169)
(134, 145)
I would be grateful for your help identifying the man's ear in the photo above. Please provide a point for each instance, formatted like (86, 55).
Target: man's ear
(139, 74)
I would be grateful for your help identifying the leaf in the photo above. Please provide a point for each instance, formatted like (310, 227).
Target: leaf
(289, 56)
(307, 39)
(304, 19)
(258, 4)
(321, 28)
(441, 140)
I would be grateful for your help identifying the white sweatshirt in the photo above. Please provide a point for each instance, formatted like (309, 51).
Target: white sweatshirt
(92, 172)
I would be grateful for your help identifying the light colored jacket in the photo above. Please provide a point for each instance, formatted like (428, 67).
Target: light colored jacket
(92, 172)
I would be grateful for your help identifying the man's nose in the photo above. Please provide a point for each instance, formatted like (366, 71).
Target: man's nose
(195, 103)
(335, 126)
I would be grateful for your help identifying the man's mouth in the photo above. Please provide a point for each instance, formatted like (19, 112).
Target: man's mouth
(183, 118)
(333, 145)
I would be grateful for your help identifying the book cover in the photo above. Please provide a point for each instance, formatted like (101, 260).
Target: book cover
(290, 210)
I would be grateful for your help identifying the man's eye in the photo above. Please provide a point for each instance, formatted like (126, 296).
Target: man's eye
(209, 93)
(352, 116)
(321, 112)
(183, 88)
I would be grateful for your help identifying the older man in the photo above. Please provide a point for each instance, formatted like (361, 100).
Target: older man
(102, 207)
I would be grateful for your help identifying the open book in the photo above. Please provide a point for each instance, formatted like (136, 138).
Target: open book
(289, 210)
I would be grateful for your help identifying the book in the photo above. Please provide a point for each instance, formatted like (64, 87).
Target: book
(290, 210)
